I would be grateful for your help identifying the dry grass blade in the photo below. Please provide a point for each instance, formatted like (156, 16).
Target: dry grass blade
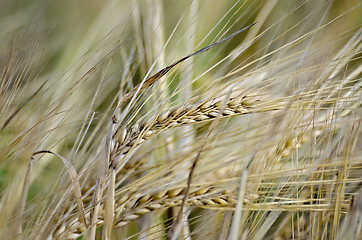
(75, 181)
(24, 194)
(151, 80)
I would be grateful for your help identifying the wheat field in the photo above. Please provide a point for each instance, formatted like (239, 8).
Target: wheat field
(200, 119)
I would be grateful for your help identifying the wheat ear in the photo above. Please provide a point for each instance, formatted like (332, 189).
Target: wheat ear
(128, 209)
(126, 139)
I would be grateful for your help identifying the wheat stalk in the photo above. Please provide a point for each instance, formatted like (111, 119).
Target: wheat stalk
(126, 140)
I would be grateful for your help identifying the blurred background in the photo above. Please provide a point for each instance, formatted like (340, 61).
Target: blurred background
(64, 65)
